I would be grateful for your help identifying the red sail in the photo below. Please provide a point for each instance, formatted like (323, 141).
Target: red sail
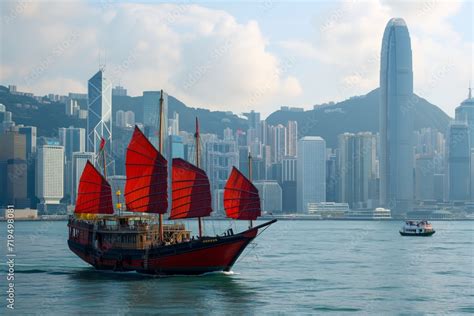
(94, 195)
(241, 200)
(191, 191)
(146, 186)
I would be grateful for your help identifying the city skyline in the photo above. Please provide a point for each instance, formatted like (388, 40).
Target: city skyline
(279, 75)
(364, 168)
(279, 154)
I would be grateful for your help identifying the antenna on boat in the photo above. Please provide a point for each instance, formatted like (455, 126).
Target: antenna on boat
(198, 138)
(160, 225)
(250, 178)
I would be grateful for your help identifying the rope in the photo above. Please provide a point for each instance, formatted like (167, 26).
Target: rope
(254, 245)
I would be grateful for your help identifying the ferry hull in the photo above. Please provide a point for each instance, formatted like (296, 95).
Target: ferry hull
(208, 254)
(427, 234)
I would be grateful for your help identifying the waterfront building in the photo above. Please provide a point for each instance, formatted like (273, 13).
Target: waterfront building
(288, 183)
(50, 177)
(458, 162)
(219, 158)
(356, 153)
(13, 170)
(424, 178)
(311, 172)
(332, 176)
(328, 210)
(270, 196)
(31, 141)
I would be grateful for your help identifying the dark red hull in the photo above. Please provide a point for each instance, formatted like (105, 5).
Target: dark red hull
(207, 254)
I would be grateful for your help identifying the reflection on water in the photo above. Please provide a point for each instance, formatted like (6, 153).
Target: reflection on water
(142, 292)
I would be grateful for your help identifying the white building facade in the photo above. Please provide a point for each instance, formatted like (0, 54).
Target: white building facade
(311, 172)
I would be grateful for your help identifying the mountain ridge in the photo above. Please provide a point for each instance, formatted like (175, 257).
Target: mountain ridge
(355, 114)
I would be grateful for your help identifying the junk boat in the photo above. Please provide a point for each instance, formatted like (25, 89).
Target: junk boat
(420, 228)
(136, 239)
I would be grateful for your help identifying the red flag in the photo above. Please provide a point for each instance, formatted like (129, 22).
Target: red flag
(102, 143)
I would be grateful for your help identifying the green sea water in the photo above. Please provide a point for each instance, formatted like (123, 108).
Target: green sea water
(294, 267)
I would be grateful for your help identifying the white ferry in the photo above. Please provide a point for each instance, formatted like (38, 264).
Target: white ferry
(420, 228)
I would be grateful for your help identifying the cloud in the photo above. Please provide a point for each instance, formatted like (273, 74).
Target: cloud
(348, 38)
(202, 56)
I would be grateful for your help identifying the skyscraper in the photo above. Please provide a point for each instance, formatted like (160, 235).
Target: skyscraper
(73, 139)
(99, 117)
(311, 172)
(79, 160)
(288, 184)
(365, 169)
(219, 158)
(465, 113)
(50, 177)
(356, 168)
(346, 161)
(30, 136)
(177, 146)
(458, 166)
(270, 195)
(174, 124)
(292, 138)
(278, 143)
(129, 118)
(120, 118)
(424, 177)
(396, 119)
(13, 170)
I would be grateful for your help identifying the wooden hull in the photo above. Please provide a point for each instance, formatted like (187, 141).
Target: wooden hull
(207, 254)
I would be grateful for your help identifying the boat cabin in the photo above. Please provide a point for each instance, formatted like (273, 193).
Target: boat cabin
(125, 232)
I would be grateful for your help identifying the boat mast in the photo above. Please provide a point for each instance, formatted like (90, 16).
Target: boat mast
(250, 178)
(160, 224)
(198, 139)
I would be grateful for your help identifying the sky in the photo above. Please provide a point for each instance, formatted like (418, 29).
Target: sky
(234, 55)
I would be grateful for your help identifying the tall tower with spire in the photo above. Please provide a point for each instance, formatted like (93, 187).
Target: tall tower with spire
(465, 113)
(396, 119)
(99, 116)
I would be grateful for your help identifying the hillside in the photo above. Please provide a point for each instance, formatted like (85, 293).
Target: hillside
(356, 114)
(353, 115)
(49, 117)
(46, 117)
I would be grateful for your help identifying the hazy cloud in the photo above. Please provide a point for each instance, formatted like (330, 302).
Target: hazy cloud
(349, 38)
(202, 56)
